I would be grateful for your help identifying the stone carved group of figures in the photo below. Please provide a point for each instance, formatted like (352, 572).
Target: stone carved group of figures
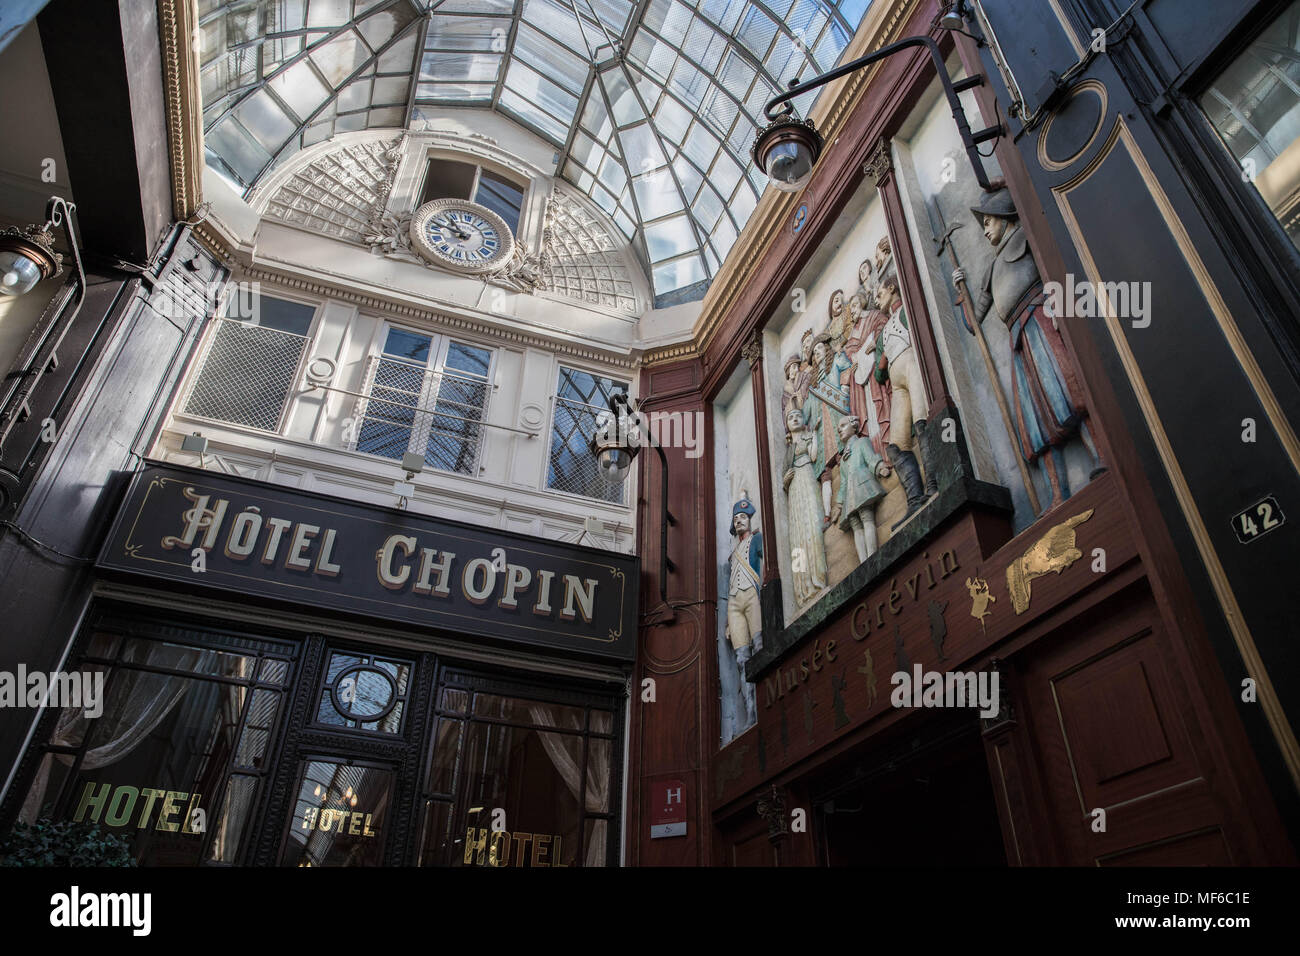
(853, 403)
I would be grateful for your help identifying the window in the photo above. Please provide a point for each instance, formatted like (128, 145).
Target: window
(187, 725)
(1255, 106)
(581, 396)
(364, 692)
(547, 759)
(427, 395)
(252, 361)
(449, 179)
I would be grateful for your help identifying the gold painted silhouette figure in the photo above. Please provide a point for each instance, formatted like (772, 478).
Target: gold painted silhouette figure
(980, 599)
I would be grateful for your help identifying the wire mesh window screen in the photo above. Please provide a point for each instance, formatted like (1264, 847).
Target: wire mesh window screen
(436, 412)
(580, 397)
(247, 375)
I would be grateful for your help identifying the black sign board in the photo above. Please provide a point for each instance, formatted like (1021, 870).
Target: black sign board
(217, 531)
(1258, 520)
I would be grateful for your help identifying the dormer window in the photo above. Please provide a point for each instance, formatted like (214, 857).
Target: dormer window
(451, 179)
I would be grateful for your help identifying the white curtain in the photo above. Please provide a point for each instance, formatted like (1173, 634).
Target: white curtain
(138, 703)
(565, 752)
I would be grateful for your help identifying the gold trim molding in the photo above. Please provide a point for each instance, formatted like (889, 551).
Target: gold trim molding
(178, 25)
(1241, 635)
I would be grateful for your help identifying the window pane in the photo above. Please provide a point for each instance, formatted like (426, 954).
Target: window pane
(161, 750)
(572, 467)
(339, 816)
(1255, 106)
(408, 345)
(447, 179)
(246, 375)
(502, 197)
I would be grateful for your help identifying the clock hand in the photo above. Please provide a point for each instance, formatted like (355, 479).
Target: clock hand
(453, 227)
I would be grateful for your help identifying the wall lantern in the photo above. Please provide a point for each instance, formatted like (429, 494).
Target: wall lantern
(788, 148)
(27, 256)
(618, 437)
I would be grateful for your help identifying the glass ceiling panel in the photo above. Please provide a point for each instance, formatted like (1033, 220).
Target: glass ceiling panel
(659, 137)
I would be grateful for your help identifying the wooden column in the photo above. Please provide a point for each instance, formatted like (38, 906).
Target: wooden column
(673, 736)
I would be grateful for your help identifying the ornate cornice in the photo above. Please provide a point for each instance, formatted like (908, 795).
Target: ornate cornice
(178, 24)
(831, 113)
(676, 352)
(344, 293)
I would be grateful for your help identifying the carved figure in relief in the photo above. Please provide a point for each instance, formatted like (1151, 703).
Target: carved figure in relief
(860, 467)
(1046, 398)
(744, 571)
(827, 403)
(804, 511)
(868, 398)
(896, 363)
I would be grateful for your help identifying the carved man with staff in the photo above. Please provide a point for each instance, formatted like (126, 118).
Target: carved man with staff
(1047, 402)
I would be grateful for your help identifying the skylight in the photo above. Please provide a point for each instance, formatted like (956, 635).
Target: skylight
(652, 105)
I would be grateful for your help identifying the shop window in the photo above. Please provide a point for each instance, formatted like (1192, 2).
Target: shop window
(580, 397)
(176, 761)
(449, 179)
(514, 780)
(252, 361)
(427, 395)
(364, 693)
(1254, 105)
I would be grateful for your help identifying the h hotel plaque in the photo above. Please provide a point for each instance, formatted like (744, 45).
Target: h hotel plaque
(217, 531)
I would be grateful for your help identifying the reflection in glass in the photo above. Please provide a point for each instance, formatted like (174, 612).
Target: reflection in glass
(1255, 106)
(339, 815)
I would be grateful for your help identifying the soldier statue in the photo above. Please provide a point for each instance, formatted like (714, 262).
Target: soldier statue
(744, 585)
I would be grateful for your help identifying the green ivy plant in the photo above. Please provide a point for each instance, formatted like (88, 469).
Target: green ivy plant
(46, 843)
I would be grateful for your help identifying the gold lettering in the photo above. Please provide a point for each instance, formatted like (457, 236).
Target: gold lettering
(473, 843)
(354, 824)
(521, 845)
(168, 808)
(541, 844)
(324, 566)
(585, 592)
(543, 606)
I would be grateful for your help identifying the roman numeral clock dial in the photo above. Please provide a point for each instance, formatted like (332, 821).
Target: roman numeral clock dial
(462, 236)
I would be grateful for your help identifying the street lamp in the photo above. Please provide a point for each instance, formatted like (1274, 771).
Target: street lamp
(615, 443)
(27, 255)
(788, 148)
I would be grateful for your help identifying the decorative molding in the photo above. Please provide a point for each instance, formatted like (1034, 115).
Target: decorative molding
(671, 353)
(752, 350)
(880, 164)
(349, 294)
(342, 193)
(178, 22)
(580, 258)
(771, 807)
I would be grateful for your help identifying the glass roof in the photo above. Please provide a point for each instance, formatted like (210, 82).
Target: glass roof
(651, 104)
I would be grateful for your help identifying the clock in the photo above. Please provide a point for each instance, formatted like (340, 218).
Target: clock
(461, 235)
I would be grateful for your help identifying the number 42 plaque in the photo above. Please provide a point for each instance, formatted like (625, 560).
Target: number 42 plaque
(1258, 520)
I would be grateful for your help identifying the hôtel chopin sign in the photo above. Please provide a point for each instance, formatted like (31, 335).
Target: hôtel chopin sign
(325, 552)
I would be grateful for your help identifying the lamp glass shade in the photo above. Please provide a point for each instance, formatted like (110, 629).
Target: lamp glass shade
(18, 273)
(614, 464)
(789, 165)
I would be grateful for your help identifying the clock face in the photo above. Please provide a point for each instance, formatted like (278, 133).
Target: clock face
(461, 235)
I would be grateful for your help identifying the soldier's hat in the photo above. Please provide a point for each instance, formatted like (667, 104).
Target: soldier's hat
(995, 204)
(743, 507)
